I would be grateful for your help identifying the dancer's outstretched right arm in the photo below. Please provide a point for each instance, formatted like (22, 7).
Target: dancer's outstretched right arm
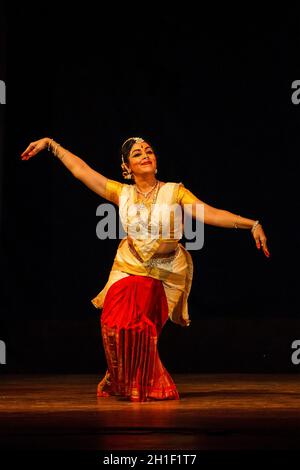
(78, 167)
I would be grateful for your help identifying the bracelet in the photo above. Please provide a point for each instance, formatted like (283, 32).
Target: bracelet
(54, 151)
(49, 145)
(235, 224)
(256, 223)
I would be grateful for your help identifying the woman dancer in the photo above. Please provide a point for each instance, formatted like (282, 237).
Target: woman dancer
(151, 276)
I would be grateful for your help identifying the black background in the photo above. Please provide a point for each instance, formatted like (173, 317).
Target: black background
(212, 93)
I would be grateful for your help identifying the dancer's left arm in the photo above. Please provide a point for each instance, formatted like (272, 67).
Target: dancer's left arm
(220, 217)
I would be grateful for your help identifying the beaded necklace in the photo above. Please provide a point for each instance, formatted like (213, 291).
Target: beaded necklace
(147, 192)
(143, 205)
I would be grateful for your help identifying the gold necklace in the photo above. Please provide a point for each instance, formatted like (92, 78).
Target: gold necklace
(141, 206)
(146, 203)
(147, 192)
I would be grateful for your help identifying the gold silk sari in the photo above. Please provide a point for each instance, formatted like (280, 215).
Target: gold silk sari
(175, 272)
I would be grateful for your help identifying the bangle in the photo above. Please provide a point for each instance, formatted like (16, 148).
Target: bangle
(49, 145)
(235, 224)
(256, 223)
(54, 151)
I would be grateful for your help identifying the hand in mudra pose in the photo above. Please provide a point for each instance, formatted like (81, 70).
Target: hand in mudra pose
(261, 239)
(34, 148)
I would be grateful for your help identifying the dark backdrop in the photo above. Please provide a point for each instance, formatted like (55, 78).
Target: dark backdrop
(212, 93)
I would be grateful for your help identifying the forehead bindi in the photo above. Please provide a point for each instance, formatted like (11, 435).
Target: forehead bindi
(137, 147)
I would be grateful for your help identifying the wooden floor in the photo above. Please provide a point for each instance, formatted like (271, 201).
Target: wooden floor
(215, 412)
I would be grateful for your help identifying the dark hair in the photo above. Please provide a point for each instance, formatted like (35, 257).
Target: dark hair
(125, 149)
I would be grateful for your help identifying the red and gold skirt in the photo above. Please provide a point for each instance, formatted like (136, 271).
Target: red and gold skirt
(134, 312)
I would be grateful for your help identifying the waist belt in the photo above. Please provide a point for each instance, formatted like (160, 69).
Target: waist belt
(157, 256)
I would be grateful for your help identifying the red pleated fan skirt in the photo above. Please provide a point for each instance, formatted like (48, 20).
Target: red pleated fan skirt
(134, 312)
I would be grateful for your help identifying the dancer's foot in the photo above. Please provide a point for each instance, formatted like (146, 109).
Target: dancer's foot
(104, 387)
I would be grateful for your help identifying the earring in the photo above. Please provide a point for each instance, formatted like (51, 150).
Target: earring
(155, 170)
(126, 173)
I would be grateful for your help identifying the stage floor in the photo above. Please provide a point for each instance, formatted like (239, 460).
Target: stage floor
(215, 412)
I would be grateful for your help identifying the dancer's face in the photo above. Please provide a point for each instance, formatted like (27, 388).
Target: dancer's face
(142, 159)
